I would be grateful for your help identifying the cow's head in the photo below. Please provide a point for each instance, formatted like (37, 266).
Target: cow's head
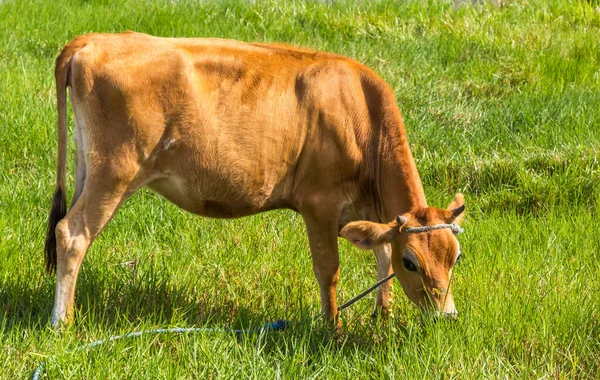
(422, 261)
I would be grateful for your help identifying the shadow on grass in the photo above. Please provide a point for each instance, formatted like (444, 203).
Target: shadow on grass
(153, 299)
(25, 303)
(104, 301)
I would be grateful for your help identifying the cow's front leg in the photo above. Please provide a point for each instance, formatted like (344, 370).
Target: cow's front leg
(383, 254)
(322, 237)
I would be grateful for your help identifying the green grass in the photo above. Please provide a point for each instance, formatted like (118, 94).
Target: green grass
(502, 104)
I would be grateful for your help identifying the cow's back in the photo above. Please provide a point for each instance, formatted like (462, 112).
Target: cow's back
(221, 128)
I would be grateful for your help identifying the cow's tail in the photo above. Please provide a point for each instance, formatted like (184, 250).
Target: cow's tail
(59, 201)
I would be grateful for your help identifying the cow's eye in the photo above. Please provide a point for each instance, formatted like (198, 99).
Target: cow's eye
(458, 258)
(409, 265)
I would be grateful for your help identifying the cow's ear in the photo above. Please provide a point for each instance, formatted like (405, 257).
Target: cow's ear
(457, 208)
(368, 235)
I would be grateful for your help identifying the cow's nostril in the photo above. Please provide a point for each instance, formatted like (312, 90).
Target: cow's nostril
(453, 315)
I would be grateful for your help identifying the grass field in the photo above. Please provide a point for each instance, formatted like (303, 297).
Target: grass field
(502, 104)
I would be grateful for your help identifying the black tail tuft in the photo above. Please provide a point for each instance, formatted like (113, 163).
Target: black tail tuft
(59, 210)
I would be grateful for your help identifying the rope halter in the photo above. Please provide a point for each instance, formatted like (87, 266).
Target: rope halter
(454, 227)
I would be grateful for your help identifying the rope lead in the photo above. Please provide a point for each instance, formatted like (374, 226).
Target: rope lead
(279, 325)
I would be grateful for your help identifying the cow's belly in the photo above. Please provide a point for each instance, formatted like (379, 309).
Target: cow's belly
(214, 199)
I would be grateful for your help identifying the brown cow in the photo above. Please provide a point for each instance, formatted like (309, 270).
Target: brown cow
(226, 129)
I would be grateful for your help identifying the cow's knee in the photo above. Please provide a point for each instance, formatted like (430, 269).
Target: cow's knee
(327, 273)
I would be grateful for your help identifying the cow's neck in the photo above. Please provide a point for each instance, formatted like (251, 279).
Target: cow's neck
(400, 185)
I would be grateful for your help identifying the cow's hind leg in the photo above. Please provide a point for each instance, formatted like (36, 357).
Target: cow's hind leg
(101, 197)
(384, 268)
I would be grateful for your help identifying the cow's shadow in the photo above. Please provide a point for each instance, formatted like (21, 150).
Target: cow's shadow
(109, 303)
(25, 304)
(154, 297)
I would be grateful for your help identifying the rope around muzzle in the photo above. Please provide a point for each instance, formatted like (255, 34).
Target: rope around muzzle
(280, 325)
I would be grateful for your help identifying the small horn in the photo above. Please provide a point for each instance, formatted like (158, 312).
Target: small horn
(457, 211)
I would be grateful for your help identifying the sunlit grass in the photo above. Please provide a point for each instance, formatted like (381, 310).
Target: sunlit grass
(502, 104)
